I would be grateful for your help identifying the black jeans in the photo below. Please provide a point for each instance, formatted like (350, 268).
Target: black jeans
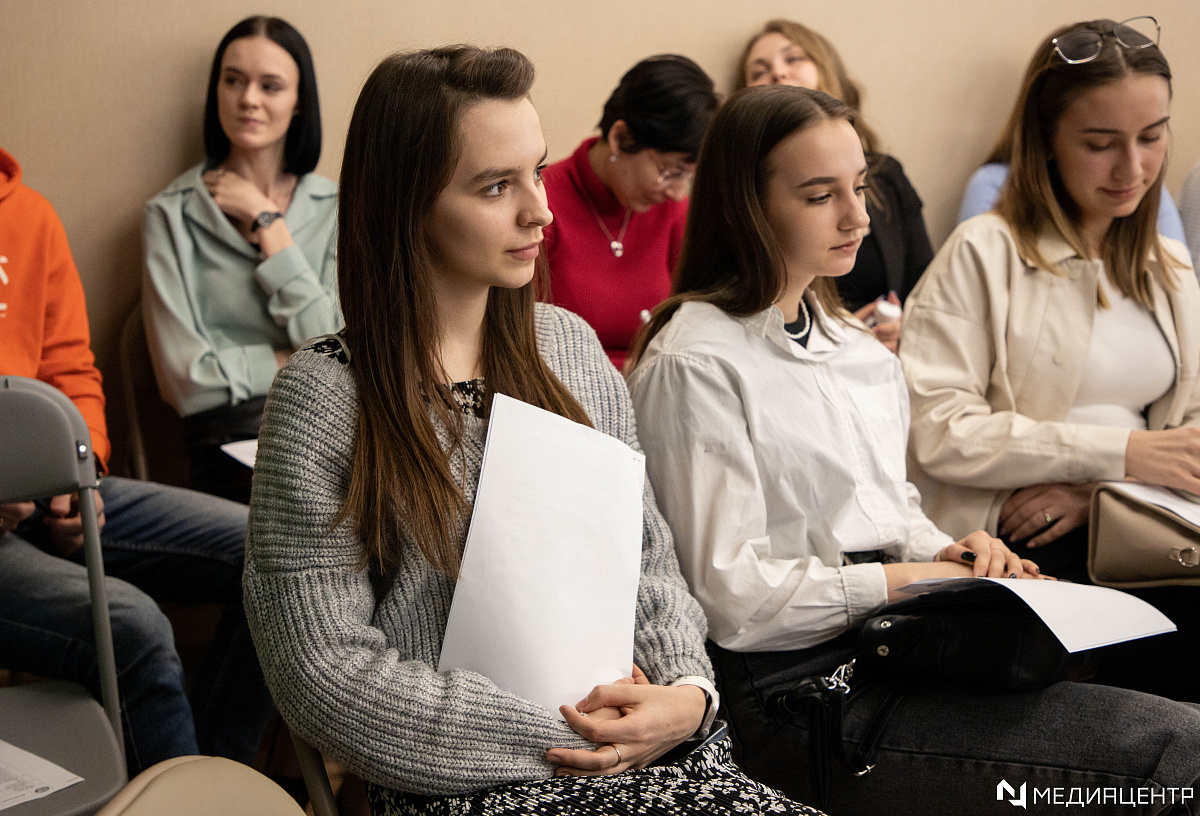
(945, 748)
(212, 470)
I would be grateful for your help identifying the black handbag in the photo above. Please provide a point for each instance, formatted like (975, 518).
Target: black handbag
(985, 636)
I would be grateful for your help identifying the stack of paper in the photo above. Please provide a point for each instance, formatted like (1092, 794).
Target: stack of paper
(547, 587)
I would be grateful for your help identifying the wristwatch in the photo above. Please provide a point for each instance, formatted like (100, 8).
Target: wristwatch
(265, 219)
(710, 694)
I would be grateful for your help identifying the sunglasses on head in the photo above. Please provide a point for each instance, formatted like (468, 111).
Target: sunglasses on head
(1085, 44)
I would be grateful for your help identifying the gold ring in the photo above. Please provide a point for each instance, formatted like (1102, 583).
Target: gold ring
(1049, 518)
(618, 750)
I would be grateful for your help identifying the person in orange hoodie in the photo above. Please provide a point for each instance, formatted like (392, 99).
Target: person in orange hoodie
(160, 543)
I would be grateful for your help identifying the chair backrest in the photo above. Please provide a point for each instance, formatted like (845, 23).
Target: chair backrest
(46, 450)
(45, 446)
(147, 417)
(200, 786)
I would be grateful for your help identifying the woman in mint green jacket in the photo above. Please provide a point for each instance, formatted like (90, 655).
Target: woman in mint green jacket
(241, 250)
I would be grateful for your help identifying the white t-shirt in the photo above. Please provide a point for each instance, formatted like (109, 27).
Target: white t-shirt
(1129, 365)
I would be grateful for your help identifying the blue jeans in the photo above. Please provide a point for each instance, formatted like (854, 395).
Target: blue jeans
(944, 748)
(160, 544)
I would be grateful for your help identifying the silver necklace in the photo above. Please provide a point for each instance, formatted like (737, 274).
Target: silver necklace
(800, 335)
(617, 245)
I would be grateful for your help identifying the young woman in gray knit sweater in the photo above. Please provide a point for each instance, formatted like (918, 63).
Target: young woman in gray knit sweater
(367, 464)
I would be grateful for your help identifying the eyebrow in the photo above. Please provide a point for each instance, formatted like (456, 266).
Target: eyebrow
(500, 172)
(819, 180)
(766, 62)
(1112, 131)
(240, 72)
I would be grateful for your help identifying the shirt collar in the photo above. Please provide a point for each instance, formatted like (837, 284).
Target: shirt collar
(768, 324)
(201, 208)
(1054, 248)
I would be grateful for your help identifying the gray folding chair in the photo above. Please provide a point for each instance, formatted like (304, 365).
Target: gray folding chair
(316, 779)
(46, 450)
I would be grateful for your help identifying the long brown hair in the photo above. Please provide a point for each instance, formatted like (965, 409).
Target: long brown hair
(401, 150)
(832, 76)
(1034, 198)
(731, 257)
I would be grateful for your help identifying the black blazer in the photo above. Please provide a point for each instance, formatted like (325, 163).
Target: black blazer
(893, 256)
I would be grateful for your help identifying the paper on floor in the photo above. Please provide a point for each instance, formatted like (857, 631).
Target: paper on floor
(25, 776)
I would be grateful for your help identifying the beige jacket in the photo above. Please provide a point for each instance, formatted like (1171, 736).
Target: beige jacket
(992, 350)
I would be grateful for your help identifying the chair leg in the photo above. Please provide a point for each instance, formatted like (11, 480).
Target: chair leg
(320, 793)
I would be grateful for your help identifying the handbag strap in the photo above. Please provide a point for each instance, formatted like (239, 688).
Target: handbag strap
(860, 763)
(826, 699)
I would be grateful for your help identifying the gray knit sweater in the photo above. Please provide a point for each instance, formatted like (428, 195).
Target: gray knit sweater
(352, 671)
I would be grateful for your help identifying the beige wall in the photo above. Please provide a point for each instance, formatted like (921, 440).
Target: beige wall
(101, 100)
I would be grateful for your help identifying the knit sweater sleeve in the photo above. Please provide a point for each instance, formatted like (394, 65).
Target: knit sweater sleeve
(337, 680)
(670, 628)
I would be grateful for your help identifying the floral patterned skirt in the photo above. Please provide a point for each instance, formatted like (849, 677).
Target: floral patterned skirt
(704, 782)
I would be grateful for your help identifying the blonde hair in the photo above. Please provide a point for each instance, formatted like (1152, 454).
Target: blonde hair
(832, 77)
(1034, 199)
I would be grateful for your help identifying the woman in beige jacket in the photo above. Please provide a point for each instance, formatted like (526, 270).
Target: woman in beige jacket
(1055, 342)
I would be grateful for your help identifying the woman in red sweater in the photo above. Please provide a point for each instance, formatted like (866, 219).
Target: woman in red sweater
(620, 200)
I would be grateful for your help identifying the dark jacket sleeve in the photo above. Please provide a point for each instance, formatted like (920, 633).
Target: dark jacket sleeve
(904, 215)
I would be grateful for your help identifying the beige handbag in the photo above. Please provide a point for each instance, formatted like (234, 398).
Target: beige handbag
(1133, 543)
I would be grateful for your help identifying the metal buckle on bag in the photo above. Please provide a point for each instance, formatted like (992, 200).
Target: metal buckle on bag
(840, 679)
(1187, 556)
(839, 682)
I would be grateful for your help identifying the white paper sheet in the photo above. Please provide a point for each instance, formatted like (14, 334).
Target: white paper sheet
(244, 451)
(25, 776)
(1080, 616)
(1186, 508)
(547, 588)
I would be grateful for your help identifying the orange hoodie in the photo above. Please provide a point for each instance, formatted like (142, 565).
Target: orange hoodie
(43, 318)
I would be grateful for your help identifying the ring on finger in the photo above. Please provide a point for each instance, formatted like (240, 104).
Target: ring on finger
(618, 750)
(1049, 518)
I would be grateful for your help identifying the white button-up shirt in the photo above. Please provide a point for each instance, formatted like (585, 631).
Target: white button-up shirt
(771, 460)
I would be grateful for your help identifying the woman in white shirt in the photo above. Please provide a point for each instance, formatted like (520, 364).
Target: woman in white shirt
(774, 429)
(1055, 342)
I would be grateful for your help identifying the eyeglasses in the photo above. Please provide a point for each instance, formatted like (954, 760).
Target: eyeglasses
(670, 175)
(1085, 44)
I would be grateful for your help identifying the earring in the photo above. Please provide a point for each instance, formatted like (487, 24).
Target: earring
(612, 157)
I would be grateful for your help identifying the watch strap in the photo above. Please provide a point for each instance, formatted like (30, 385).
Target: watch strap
(710, 694)
(265, 219)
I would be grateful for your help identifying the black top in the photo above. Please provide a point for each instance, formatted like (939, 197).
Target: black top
(897, 251)
(801, 324)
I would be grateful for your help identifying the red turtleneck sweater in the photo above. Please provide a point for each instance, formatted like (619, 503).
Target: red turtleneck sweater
(585, 277)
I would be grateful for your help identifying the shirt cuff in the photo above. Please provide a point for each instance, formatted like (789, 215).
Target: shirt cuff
(250, 370)
(925, 545)
(865, 587)
(281, 268)
(714, 700)
(1100, 454)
